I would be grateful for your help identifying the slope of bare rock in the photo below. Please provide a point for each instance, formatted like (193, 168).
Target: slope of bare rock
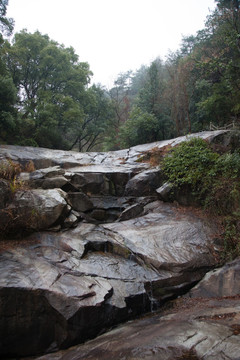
(206, 327)
(112, 161)
(107, 252)
(69, 286)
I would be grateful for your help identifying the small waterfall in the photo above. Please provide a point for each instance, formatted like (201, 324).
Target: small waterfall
(153, 301)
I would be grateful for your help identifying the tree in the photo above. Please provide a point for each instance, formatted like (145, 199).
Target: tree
(217, 58)
(140, 128)
(179, 91)
(8, 91)
(7, 111)
(6, 24)
(151, 98)
(97, 120)
(52, 87)
(121, 104)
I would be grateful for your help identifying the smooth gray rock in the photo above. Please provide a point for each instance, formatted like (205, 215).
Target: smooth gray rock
(221, 282)
(131, 212)
(86, 279)
(113, 161)
(205, 326)
(164, 192)
(201, 335)
(144, 183)
(34, 209)
(71, 220)
(94, 183)
(54, 182)
(183, 239)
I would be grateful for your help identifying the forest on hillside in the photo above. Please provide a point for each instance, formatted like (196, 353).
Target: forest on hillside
(47, 99)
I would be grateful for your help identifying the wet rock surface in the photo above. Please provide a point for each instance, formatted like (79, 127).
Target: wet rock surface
(91, 277)
(191, 328)
(110, 252)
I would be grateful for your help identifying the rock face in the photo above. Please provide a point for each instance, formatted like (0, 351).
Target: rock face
(205, 327)
(34, 209)
(69, 286)
(114, 251)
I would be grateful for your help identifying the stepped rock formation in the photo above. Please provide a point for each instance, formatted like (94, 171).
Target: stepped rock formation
(101, 249)
(205, 324)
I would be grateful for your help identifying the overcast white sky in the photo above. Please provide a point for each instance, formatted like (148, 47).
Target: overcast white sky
(113, 36)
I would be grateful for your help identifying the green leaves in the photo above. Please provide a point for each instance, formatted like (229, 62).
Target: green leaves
(140, 128)
(190, 163)
(213, 179)
(6, 24)
(52, 89)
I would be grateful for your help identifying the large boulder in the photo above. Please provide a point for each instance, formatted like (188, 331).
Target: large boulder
(144, 183)
(79, 201)
(222, 282)
(33, 209)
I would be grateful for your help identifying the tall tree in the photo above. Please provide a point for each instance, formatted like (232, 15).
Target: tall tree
(151, 98)
(52, 86)
(121, 104)
(141, 127)
(179, 91)
(8, 91)
(217, 58)
(6, 24)
(97, 120)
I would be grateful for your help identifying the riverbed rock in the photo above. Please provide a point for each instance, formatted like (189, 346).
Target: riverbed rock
(122, 161)
(33, 209)
(222, 282)
(131, 212)
(79, 201)
(61, 288)
(165, 191)
(205, 325)
(80, 282)
(144, 183)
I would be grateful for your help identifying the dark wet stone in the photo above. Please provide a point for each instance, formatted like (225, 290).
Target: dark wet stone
(79, 201)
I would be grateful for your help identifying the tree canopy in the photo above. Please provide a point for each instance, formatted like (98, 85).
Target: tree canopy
(57, 107)
(47, 99)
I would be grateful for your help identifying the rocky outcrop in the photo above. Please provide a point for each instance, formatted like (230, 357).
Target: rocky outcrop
(205, 327)
(86, 176)
(222, 282)
(34, 209)
(111, 251)
(69, 286)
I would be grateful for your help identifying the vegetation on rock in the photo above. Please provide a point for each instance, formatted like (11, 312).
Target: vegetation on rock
(213, 179)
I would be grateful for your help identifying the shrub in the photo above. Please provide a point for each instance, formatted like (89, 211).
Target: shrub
(190, 163)
(213, 179)
(9, 170)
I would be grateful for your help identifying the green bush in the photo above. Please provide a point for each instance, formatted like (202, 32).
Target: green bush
(190, 163)
(213, 179)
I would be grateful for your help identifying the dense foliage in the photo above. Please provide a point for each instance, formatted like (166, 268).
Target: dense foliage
(214, 180)
(191, 163)
(56, 107)
(196, 86)
(46, 96)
